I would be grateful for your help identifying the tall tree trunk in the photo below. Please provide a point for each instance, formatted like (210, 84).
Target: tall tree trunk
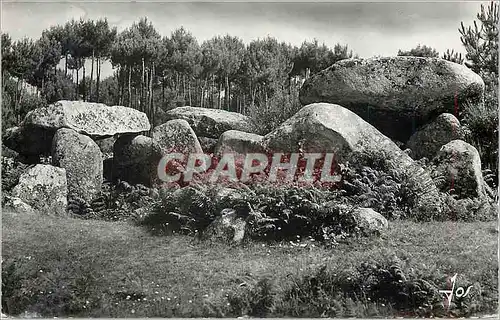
(189, 92)
(119, 81)
(77, 91)
(123, 77)
(136, 106)
(226, 101)
(163, 91)
(267, 107)
(151, 109)
(243, 105)
(17, 98)
(212, 89)
(203, 86)
(84, 83)
(99, 77)
(176, 85)
(141, 93)
(130, 86)
(66, 64)
(219, 97)
(91, 75)
(253, 93)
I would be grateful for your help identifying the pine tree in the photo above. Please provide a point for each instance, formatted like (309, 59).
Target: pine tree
(420, 51)
(481, 42)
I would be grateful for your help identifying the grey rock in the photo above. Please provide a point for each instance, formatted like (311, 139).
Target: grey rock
(460, 165)
(211, 123)
(395, 94)
(43, 188)
(135, 160)
(34, 135)
(234, 141)
(370, 221)
(93, 119)
(82, 159)
(176, 136)
(227, 228)
(330, 128)
(427, 141)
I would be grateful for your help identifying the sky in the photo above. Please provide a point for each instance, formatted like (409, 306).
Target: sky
(368, 28)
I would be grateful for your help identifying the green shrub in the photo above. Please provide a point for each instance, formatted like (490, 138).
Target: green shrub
(372, 179)
(348, 293)
(188, 211)
(481, 127)
(11, 172)
(116, 203)
(254, 301)
(291, 212)
(468, 210)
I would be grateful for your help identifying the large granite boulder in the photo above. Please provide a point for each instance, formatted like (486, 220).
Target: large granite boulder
(43, 188)
(92, 119)
(135, 160)
(176, 136)
(395, 94)
(459, 165)
(330, 128)
(82, 159)
(234, 141)
(427, 141)
(35, 134)
(211, 123)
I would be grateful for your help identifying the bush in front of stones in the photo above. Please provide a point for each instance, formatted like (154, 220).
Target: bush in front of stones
(11, 172)
(116, 202)
(272, 212)
(295, 212)
(469, 209)
(187, 210)
(371, 181)
(481, 128)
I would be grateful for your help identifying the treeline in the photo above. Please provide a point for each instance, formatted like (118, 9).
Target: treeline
(154, 73)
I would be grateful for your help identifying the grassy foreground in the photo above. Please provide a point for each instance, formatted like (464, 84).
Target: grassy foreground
(86, 268)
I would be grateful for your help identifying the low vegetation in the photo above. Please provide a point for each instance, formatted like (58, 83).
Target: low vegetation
(90, 268)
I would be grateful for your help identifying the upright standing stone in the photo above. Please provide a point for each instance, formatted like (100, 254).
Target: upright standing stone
(135, 160)
(82, 159)
(176, 136)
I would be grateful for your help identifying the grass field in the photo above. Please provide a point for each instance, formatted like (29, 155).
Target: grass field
(86, 268)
